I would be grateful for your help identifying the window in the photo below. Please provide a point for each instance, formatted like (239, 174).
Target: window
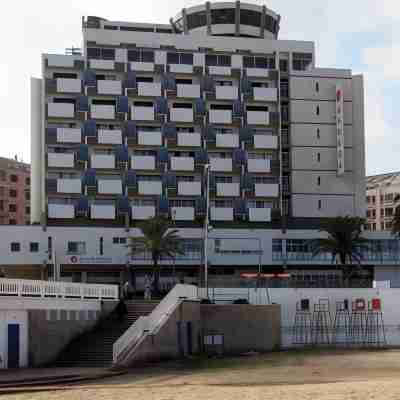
(283, 65)
(100, 53)
(141, 56)
(223, 16)
(257, 108)
(1, 205)
(318, 133)
(27, 210)
(119, 240)
(67, 75)
(188, 106)
(319, 157)
(27, 181)
(317, 87)
(12, 208)
(196, 20)
(180, 58)
(259, 62)
(382, 212)
(368, 213)
(15, 246)
(34, 247)
(319, 181)
(27, 196)
(13, 178)
(388, 212)
(319, 204)
(101, 246)
(213, 60)
(12, 222)
(250, 17)
(76, 248)
(13, 193)
(302, 61)
(317, 110)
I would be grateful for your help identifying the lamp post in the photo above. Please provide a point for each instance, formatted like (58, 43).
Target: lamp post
(206, 222)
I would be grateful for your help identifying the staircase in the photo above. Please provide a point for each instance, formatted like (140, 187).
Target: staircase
(95, 348)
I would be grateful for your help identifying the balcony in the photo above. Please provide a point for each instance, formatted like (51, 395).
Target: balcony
(102, 211)
(221, 213)
(221, 164)
(265, 94)
(101, 111)
(143, 212)
(258, 165)
(259, 214)
(69, 135)
(258, 117)
(222, 71)
(181, 68)
(188, 91)
(61, 160)
(110, 136)
(102, 161)
(102, 64)
(109, 87)
(226, 92)
(220, 116)
(142, 66)
(67, 85)
(147, 138)
(182, 163)
(149, 89)
(109, 186)
(257, 72)
(182, 213)
(181, 114)
(266, 190)
(61, 211)
(228, 189)
(72, 185)
(143, 163)
(265, 141)
(142, 113)
(189, 139)
(227, 140)
(150, 187)
(189, 188)
(61, 110)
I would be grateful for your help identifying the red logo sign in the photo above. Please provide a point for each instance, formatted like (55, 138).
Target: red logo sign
(338, 94)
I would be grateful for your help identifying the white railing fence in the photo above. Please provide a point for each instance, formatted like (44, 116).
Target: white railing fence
(255, 296)
(152, 323)
(42, 289)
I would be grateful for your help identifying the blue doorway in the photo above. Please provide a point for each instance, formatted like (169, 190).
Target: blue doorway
(13, 346)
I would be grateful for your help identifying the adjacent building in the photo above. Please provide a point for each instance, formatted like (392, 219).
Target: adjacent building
(14, 192)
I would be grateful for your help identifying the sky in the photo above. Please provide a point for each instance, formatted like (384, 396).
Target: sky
(363, 35)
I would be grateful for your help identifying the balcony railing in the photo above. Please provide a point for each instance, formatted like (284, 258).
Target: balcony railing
(189, 188)
(181, 114)
(265, 141)
(152, 138)
(266, 190)
(259, 214)
(142, 113)
(226, 92)
(221, 213)
(110, 136)
(143, 212)
(101, 111)
(150, 187)
(257, 117)
(182, 213)
(61, 211)
(182, 163)
(189, 139)
(149, 89)
(220, 116)
(227, 140)
(109, 87)
(188, 91)
(143, 162)
(102, 211)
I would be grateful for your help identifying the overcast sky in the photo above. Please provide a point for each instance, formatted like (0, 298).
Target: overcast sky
(363, 35)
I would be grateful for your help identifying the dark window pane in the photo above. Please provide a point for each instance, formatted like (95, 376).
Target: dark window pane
(196, 19)
(15, 246)
(172, 58)
(34, 247)
(211, 60)
(223, 16)
(261, 62)
(187, 58)
(250, 17)
(270, 24)
(93, 52)
(224, 61)
(148, 56)
(108, 54)
(134, 55)
(248, 62)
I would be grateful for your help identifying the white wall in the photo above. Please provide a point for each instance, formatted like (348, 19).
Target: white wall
(306, 135)
(304, 158)
(330, 183)
(332, 206)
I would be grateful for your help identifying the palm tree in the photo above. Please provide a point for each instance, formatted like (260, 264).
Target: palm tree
(396, 217)
(159, 241)
(343, 241)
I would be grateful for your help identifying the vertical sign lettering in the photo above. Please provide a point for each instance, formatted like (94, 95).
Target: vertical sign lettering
(339, 130)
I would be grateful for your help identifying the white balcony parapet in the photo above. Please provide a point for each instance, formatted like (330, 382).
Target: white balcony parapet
(182, 213)
(149, 89)
(227, 140)
(265, 141)
(102, 64)
(257, 72)
(110, 136)
(109, 186)
(181, 114)
(220, 116)
(142, 66)
(109, 87)
(61, 160)
(51, 289)
(102, 111)
(102, 211)
(266, 189)
(61, 211)
(189, 188)
(69, 135)
(259, 165)
(61, 110)
(182, 163)
(102, 161)
(265, 94)
(224, 71)
(188, 91)
(68, 85)
(69, 185)
(226, 92)
(142, 113)
(260, 214)
(258, 117)
(149, 138)
(150, 187)
(143, 212)
(181, 68)
(221, 213)
(60, 60)
(221, 164)
(143, 162)
(228, 189)
(189, 139)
